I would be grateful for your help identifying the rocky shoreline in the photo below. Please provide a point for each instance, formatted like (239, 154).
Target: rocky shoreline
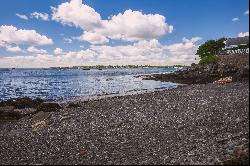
(194, 124)
(236, 66)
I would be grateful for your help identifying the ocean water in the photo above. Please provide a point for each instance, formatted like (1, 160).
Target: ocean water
(60, 84)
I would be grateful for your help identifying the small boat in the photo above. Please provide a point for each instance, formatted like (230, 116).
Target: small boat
(85, 68)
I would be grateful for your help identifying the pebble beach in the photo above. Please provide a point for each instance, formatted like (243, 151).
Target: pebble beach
(191, 124)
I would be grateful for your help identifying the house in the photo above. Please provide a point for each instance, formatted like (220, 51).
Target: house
(238, 45)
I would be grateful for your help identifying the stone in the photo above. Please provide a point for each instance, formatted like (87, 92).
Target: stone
(65, 118)
(49, 107)
(38, 125)
(7, 109)
(40, 116)
(26, 111)
(8, 113)
(22, 103)
(73, 105)
(224, 80)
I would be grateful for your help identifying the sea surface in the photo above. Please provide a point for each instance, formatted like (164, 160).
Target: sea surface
(60, 84)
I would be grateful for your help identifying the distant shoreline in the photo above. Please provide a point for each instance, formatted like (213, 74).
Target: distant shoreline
(101, 67)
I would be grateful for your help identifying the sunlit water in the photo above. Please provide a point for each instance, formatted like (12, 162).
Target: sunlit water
(58, 84)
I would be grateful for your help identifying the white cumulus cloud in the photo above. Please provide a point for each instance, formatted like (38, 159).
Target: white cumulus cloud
(142, 52)
(42, 16)
(74, 13)
(243, 34)
(135, 26)
(58, 51)
(11, 48)
(12, 35)
(93, 38)
(35, 50)
(22, 16)
(130, 25)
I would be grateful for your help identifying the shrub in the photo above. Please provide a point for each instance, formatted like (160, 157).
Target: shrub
(209, 59)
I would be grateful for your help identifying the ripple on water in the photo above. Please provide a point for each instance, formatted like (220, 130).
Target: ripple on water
(53, 84)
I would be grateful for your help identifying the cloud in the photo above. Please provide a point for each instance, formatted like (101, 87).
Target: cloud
(10, 47)
(135, 26)
(58, 51)
(35, 61)
(33, 49)
(24, 17)
(67, 40)
(13, 48)
(246, 12)
(11, 35)
(93, 38)
(42, 16)
(74, 13)
(129, 26)
(243, 34)
(235, 19)
(142, 52)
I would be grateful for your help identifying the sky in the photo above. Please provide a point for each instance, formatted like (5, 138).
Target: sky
(54, 33)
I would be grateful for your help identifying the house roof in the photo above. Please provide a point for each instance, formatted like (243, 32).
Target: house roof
(237, 41)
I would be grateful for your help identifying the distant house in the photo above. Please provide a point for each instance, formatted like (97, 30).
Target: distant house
(232, 42)
(238, 45)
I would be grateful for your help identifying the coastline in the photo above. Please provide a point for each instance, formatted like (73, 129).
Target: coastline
(193, 124)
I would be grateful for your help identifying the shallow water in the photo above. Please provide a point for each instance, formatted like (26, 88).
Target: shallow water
(58, 84)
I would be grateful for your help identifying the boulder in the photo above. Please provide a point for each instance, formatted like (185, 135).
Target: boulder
(49, 107)
(40, 120)
(40, 116)
(73, 105)
(224, 80)
(26, 111)
(8, 113)
(39, 125)
(22, 103)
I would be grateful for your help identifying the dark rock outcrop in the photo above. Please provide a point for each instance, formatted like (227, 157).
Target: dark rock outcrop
(202, 74)
(21, 103)
(49, 107)
(73, 105)
(8, 113)
(16, 109)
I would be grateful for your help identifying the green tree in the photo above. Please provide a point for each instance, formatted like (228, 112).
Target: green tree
(209, 59)
(211, 47)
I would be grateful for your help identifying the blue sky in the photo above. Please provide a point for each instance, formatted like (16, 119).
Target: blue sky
(203, 19)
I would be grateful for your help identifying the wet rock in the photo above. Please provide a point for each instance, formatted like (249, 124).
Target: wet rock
(73, 105)
(26, 111)
(49, 107)
(8, 113)
(22, 103)
(203, 74)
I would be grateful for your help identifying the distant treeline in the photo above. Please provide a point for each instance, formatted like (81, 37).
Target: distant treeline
(118, 66)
